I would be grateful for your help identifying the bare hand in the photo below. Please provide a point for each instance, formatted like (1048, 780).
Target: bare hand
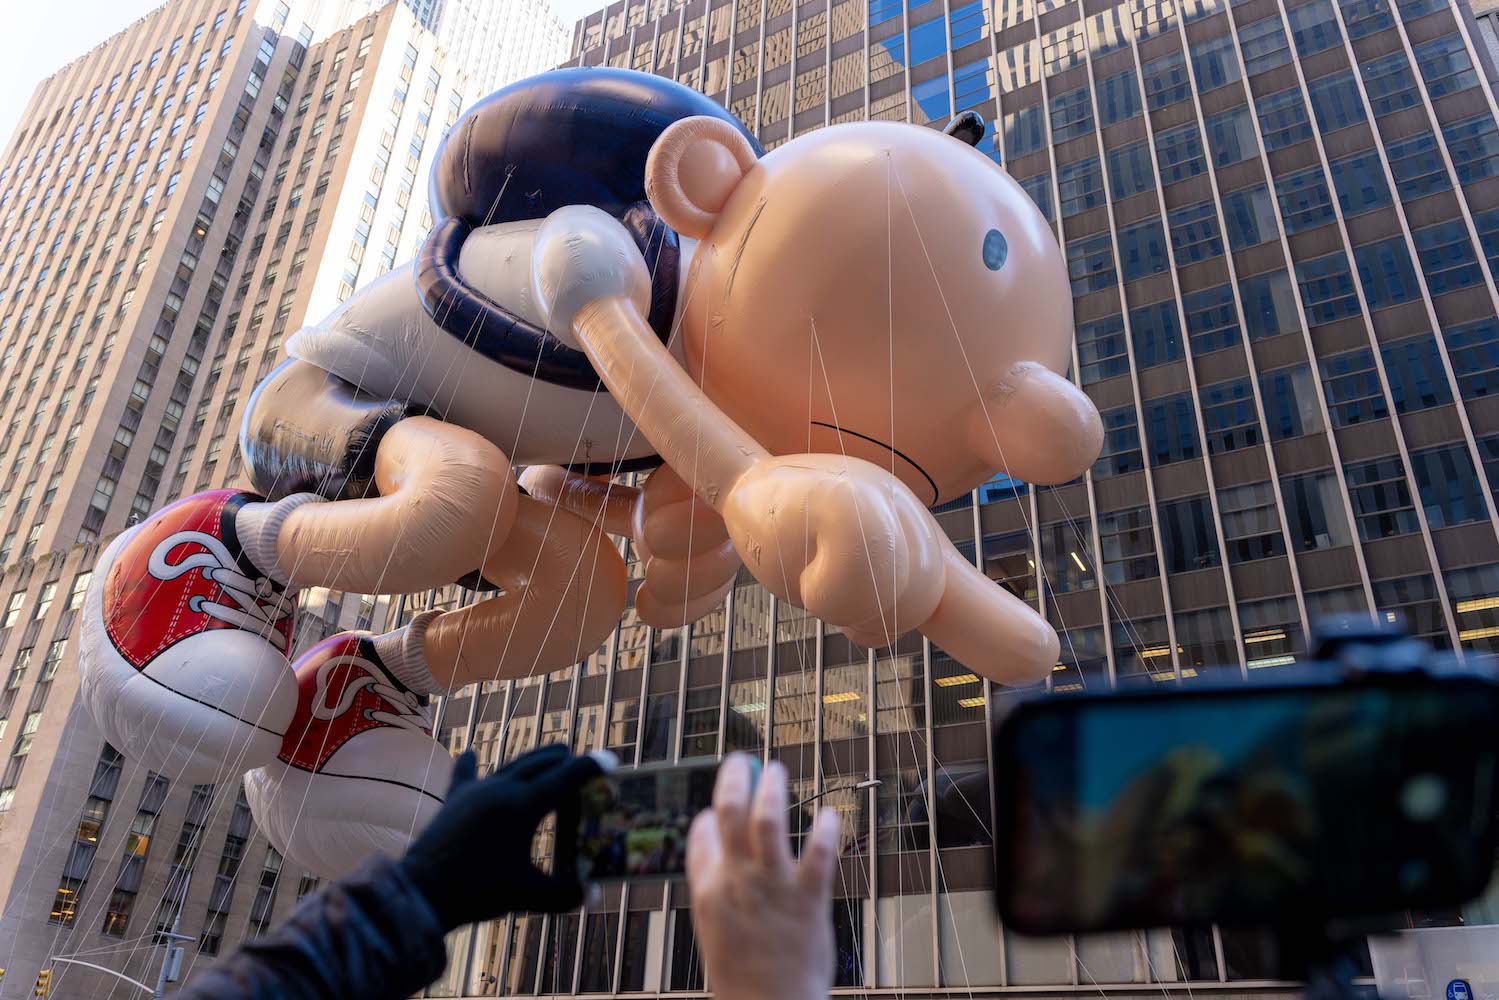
(763, 921)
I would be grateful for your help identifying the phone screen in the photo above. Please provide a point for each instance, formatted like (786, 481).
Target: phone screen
(633, 824)
(1199, 807)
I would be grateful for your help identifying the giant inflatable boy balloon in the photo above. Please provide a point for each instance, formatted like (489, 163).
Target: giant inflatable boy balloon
(814, 345)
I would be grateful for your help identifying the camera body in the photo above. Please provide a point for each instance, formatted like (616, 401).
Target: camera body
(1362, 785)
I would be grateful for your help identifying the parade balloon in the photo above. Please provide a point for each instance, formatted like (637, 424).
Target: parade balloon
(816, 345)
(183, 661)
(358, 772)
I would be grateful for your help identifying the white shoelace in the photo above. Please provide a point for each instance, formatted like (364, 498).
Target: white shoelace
(259, 608)
(409, 712)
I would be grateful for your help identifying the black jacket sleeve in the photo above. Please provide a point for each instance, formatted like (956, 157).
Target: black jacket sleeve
(370, 935)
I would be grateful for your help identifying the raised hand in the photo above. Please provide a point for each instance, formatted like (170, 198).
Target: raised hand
(763, 920)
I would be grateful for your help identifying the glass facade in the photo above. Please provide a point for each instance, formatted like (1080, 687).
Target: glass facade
(1279, 224)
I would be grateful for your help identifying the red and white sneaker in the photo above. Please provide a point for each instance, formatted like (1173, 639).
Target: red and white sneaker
(358, 772)
(184, 641)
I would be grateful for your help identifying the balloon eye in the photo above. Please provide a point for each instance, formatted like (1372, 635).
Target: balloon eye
(995, 249)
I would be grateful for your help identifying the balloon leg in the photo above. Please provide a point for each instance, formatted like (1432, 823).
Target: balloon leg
(447, 499)
(563, 591)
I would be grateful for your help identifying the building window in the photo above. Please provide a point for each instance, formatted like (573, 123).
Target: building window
(1448, 485)
(1009, 560)
(1412, 9)
(1474, 592)
(1272, 638)
(1039, 189)
(1195, 235)
(1360, 183)
(65, 903)
(13, 611)
(1101, 349)
(117, 915)
(1291, 404)
(1166, 80)
(1305, 202)
(1023, 132)
(1447, 258)
(1327, 288)
(1314, 27)
(1352, 386)
(1212, 321)
(1205, 639)
(1283, 119)
(1121, 443)
(1414, 600)
(1128, 545)
(1179, 152)
(1065, 557)
(80, 589)
(1090, 264)
(1417, 380)
(1473, 349)
(1250, 217)
(1187, 535)
(1080, 186)
(1381, 498)
(1365, 17)
(1335, 101)
(1390, 84)
(1228, 416)
(1118, 98)
(18, 669)
(1130, 169)
(213, 932)
(1231, 136)
(1071, 115)
(1214, 62)
(1156, 333)
(1474, 146)
(1172, 429)
(1269, 305)
(1314, 511)
(1445, 65)
(1416, 164)
(1385, 270)
(1251, 527)
(1264, 45)
(1142, 249)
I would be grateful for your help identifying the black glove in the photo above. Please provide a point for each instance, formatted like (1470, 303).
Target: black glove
(473, 862)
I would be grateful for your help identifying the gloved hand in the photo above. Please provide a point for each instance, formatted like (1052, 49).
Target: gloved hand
(473, 861)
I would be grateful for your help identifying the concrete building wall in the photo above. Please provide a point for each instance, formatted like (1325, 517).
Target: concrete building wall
(141, 380)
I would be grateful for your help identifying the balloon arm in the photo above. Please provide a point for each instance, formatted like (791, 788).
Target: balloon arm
(609, 505)
(988, 629)
(671, 410)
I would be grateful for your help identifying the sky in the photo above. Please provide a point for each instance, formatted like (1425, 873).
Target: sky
(40, 39)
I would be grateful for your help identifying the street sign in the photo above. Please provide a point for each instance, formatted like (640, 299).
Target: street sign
(1459, 989)
(174, 964)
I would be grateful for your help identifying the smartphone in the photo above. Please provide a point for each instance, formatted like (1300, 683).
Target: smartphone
(1244, 804)
(633, 824)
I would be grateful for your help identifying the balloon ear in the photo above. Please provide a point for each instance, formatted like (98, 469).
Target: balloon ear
(692, 169)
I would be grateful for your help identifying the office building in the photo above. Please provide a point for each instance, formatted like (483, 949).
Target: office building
(494, 42)
(1280, 222)
(174, 204)
(1282, 225)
